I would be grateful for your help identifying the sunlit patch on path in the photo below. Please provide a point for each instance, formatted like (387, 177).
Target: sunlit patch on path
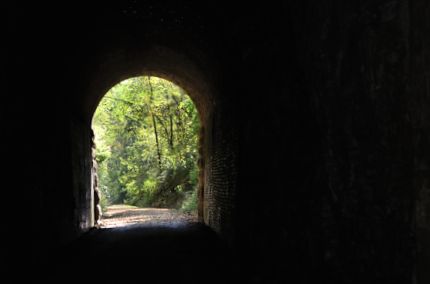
(124, 215)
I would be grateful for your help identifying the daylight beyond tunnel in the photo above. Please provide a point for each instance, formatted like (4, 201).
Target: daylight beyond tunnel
(145, 154)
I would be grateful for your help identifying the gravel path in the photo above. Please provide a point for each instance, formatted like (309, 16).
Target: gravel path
(123, 215)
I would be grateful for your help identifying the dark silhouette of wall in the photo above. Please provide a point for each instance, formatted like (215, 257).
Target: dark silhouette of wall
(316, 124)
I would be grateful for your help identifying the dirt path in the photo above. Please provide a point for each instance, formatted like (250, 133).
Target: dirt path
(122, 215)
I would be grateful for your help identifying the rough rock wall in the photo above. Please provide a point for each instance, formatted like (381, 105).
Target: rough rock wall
(419, 89)
(336, 195)
(82, 170)
(317, 147)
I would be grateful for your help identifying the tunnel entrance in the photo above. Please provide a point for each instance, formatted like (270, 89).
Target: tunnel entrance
(145, 152)
(217, 138)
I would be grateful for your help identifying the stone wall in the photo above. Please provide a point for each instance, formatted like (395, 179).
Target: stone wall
(315, 125)
(419, 87)
(82, 175)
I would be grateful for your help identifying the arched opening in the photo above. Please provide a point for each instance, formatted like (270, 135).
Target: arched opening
(194, 73)
(217, 172)
(145, 153)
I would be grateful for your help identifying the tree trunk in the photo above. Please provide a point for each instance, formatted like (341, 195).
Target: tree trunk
(171, 132)
(154, 123)
(156, 140)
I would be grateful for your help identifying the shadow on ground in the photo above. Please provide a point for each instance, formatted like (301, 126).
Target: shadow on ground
(174, 253)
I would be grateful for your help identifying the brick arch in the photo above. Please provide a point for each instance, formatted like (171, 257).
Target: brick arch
(199, 84)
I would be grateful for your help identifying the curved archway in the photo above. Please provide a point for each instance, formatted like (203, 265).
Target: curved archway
(145, 154)
(157, 61)
(114, 67)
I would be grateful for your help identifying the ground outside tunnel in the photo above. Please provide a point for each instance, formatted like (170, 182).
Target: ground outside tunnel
(124, 215)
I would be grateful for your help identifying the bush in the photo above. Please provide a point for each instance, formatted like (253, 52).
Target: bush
(189, 204)
(104, 203)
(146, 131)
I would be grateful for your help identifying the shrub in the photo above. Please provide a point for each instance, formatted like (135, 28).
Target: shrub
(189, 204)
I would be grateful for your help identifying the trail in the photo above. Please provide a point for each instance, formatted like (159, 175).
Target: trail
(123, 215)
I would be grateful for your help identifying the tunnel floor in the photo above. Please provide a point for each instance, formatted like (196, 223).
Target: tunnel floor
(180, 252)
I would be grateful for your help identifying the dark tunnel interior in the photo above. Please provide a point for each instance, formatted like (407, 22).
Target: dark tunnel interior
(314, 147)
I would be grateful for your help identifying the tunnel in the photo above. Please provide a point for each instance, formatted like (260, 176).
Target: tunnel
(314, 161)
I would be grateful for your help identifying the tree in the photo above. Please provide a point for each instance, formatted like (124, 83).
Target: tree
(146, 132)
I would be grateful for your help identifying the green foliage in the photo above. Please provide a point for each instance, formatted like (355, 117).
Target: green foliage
(103, 203)
(189, 204)
(146, 131)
